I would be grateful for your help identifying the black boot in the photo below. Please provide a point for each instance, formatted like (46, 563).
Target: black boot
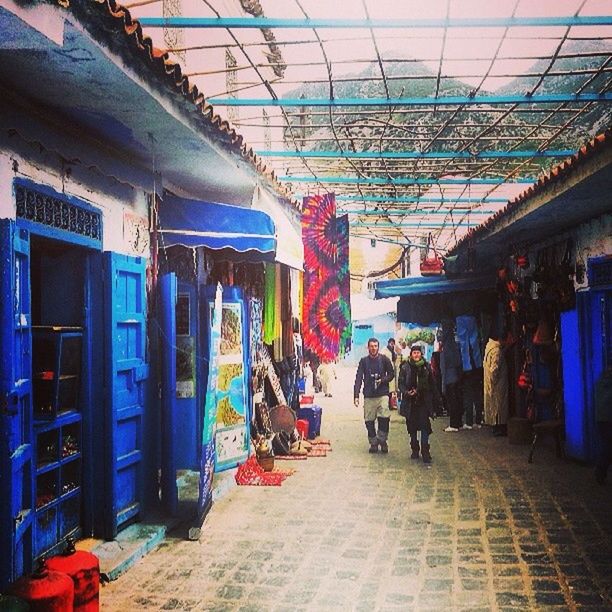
(426, 454)
(415, 450)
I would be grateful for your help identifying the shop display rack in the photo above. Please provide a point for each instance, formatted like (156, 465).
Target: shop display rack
(56, 360)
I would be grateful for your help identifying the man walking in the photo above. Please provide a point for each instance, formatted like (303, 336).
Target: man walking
(374, 372)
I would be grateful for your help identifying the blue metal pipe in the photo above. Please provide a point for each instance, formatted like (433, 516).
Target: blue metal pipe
(424, 225)
(559, 98)
(399, 213)
(391, 199)
(267, 22)
(415, 154)
(375, 180)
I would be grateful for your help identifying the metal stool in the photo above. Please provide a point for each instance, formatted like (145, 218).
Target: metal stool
(554, 427)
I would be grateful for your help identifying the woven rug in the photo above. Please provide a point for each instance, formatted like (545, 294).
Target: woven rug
(251, 473)
(318, 440)
(318, 452)
(291, 457)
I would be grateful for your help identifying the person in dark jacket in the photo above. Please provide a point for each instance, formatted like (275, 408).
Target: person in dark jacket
(419, 399)
(375, 372)
(452, 372)
(603, 416)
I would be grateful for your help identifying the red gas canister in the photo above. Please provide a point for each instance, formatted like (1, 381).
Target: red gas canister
(84, 569)
(45, 591)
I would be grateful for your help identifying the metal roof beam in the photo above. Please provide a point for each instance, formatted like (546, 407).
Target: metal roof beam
(561, 98)
(375, 180)
(416, 154)
(276, 23)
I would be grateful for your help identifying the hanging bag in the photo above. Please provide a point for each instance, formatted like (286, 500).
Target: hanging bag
(431, 265)
(565, 280)
(525, 379)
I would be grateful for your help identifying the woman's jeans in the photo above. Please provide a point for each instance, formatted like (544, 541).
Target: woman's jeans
(473, 397)
(454, 404)
(467, 337)
(424, 438)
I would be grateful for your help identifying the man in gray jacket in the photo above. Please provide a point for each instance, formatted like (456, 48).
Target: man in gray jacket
(375, 372)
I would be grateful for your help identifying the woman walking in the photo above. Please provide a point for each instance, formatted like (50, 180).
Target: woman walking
(419, 398)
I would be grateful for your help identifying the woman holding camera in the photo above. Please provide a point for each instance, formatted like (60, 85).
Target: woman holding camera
(419, 398)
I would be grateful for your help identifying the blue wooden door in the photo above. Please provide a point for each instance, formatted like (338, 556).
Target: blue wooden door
(125, 377)
(16, 461)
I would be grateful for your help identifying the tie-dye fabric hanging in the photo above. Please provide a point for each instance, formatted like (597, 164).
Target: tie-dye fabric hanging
(324, 318)
(319, 232)
(344, 281)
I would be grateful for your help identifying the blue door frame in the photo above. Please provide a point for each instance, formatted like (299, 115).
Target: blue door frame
(16, 449)
(169, 439)
(188, 425)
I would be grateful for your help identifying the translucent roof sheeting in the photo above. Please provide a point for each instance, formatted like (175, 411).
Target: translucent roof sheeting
(421, 117)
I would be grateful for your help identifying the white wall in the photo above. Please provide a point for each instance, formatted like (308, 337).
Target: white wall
(593, 239)
(112, 198)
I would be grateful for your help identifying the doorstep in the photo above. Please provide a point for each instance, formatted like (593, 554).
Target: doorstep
(134, 542)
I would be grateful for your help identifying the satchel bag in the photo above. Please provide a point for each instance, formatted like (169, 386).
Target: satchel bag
(432, 265)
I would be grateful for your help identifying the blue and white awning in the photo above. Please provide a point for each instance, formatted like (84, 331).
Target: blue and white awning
(194, 223)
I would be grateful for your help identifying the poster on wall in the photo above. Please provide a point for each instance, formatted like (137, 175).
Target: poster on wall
(231, 439)
(207, 460)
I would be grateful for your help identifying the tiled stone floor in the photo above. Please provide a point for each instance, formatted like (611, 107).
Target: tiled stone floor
(480, 529)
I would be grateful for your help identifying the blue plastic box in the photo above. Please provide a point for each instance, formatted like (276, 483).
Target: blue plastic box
(313, 415)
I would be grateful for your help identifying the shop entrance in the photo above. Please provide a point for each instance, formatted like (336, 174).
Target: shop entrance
(60, 370)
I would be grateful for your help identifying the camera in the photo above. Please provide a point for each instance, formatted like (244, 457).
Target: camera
(376, 380)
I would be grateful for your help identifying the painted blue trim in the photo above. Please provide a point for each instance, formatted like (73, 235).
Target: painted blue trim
(273, 23)
(55, 233)
(560, 98)
(376, 180)
(416, 154)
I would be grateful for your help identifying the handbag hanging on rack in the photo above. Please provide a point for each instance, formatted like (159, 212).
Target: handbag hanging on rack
(431, 266)
(525, 379)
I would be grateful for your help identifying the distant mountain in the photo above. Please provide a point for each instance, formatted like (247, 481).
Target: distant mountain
(359, 128)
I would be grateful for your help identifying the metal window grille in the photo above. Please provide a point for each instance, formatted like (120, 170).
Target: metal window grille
(600, 273)
(59, 214)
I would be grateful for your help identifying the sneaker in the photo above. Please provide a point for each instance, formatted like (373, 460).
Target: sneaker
(384, 447)
(464, 426)
(373, 448)
(476, 426)
(449, 429)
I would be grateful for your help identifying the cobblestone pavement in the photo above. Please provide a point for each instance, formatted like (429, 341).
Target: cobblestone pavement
(480, 529)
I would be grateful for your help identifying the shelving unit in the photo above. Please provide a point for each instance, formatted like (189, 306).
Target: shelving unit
(58, 434)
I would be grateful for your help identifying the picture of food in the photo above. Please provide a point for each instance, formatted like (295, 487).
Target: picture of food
(226, 414)
(227, 373)
(231, 331)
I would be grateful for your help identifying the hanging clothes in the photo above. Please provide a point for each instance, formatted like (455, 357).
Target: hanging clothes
(495, 384)
(269, 317)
